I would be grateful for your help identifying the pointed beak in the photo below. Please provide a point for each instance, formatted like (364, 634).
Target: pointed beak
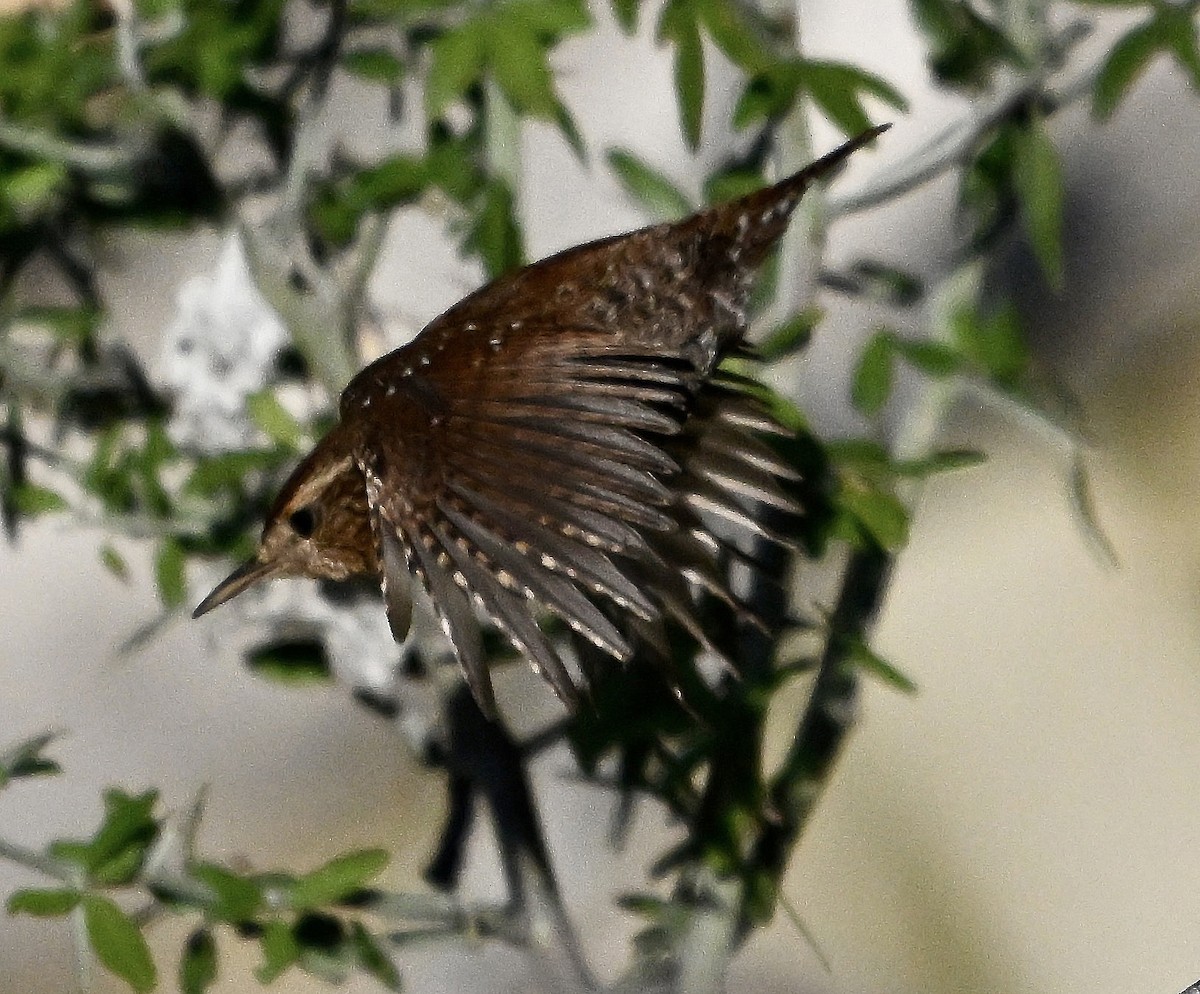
(246, 575)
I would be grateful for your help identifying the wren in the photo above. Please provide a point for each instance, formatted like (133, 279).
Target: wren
(559, 442)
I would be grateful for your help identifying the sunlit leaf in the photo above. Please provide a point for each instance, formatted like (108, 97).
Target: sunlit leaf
(43, 903)
(337, 879)
(118, 943)
(1126, 61)
(32, 500)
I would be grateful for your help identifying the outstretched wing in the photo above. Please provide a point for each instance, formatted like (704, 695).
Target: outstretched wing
(566, 475)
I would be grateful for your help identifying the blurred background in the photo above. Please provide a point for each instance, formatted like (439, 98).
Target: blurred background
(1027, 822)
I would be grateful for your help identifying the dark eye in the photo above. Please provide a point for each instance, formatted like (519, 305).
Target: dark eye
(303, 522)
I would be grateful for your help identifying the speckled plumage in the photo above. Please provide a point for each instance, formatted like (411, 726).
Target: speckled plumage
(555, 441)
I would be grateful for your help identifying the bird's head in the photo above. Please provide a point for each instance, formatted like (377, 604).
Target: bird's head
(319, 526)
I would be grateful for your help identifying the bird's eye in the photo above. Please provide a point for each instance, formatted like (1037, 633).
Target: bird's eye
(303, 522)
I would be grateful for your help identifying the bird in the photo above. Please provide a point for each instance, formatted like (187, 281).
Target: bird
(563, 442)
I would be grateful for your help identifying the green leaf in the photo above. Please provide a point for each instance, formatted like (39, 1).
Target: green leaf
(790, 337)
(626, 12)
(198, 967)
(882, 515)
(279, 948)
(934, 358)
(372, 958)
(118, 943)
(237, 898)
(837, 89)
(377, 65)
(31, 500)
(1126, 61)
(678, 25)
(297, 662)
(861, 655)
(274, 420)
(457, 60)
(1038, 182)
(938, 462)
(873, 378)
(337, 879)
(994, 343)
(548, 19)
(519, 63)
(496, 235)
(170, 573)
(744, 46)
(1179, 30)
(33, 189)
(119, 846)
(114, 562)
(25, 759)
(655, 194)
(43, 903)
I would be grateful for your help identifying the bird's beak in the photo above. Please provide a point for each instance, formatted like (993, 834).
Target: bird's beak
(246, 575)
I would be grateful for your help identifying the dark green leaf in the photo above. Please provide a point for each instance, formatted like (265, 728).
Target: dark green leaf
(31, 500)
(769, 95)
(861, 655)
(626, 12)
(727, 25)
(118, 943)
(198, 967)
(1179, 29)
(792, 336)
(237, 899)
(337, 879)
(1038, 181)
(678, 25)
(656, 194)
(43, 903)
(376, 64)
(170, 574)
(25, 759)
(873, 378)
(297, 662)
(1126, 61)
(496, 235)
(373, 959)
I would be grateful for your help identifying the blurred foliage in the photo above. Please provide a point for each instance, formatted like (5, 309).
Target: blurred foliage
(114, 117)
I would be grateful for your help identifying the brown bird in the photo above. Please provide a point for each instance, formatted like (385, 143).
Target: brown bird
(559, 441)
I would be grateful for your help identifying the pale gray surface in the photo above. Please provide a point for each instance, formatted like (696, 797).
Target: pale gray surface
(1028, 823)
